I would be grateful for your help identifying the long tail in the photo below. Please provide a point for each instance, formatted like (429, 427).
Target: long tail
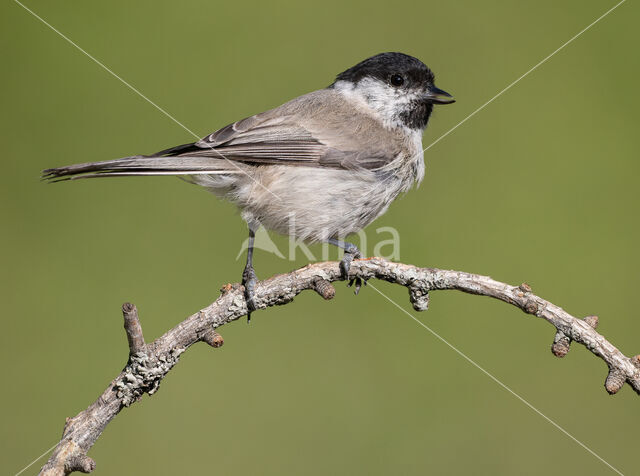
(174, 161)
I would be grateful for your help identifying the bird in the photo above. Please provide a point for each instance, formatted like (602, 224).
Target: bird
(318, 168)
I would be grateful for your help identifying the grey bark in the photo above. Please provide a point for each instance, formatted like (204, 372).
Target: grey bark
(149, 363)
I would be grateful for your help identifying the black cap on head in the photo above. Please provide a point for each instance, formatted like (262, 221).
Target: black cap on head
(384, 65)
(408, 78)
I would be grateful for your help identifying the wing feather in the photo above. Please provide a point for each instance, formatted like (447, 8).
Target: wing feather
(310, 131)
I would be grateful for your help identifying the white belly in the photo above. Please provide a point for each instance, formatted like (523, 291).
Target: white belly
(315, 204)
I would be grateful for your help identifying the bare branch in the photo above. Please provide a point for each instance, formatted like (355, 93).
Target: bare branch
(149, 363)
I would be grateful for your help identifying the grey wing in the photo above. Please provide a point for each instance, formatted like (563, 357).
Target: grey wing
(313, 130)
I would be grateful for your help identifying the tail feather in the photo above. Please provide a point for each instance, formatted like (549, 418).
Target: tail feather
(157, 164)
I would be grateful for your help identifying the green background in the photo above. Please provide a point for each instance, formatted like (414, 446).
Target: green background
(541, 186)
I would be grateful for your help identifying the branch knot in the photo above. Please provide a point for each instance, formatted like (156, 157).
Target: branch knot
(419, 295)
(81, 463)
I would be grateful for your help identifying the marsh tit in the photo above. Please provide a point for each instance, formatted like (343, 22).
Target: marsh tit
(319, 167)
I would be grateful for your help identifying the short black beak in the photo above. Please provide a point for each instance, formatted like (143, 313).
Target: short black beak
(438, 96)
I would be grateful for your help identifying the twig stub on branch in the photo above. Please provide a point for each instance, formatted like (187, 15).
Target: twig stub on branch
(133, 328)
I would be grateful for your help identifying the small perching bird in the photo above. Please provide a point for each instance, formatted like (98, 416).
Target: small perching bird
(319, 167)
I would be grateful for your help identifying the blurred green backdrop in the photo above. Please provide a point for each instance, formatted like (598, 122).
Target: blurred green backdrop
(541, 186)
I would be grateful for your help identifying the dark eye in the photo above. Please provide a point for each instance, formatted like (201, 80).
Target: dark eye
(396, 80)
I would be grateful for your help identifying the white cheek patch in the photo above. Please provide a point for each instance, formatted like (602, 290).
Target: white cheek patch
(385, 100)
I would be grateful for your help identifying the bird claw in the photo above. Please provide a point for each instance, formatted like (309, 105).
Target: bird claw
(249, 280)
(359, 282)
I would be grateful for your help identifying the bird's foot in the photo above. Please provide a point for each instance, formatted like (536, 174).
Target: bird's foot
(249, 280)
(359, 282)
(351, 252)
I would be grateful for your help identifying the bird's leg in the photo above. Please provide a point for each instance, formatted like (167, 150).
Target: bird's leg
(249, 278)
(351, 252)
